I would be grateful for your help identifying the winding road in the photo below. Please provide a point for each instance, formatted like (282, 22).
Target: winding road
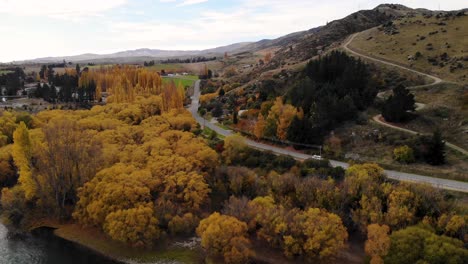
(395, 175)
(419, 106)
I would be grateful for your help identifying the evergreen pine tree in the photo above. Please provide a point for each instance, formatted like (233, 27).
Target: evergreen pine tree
(396, 107)
(436, 150)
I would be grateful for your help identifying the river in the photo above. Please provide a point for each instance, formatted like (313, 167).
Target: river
(42, 247)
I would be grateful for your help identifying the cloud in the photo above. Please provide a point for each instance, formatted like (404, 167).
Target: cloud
(247, 21)
(184, 2)
(197, 27)
(191, 2)
(58, 8)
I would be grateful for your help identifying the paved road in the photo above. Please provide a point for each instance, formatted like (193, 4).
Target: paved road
(401, 176)
(378, 118)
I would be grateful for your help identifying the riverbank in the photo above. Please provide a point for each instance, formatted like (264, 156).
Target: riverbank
(94, 239)
(42, 246)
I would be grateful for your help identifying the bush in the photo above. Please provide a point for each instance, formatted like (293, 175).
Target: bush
(184, 225)
(404, 154)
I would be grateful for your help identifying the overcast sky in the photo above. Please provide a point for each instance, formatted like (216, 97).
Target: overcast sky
(40, 28)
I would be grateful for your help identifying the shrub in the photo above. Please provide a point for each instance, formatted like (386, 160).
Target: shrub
(404, 154)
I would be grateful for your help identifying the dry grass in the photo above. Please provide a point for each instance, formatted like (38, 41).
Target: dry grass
(444, 110)
(397, 48)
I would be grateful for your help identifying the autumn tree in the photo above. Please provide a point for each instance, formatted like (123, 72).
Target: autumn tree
(401, 208)
(8, 175)
(184, 225)
(281, 115)
(363, 179)
(234, 146)
(369, 211)
(120, 187)
(378, 242)
(315, 233)
(136, 226)
(22, 155)
(226, 236)
(453, 225)
(259, 127)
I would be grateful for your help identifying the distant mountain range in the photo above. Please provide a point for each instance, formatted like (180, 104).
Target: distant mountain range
(138, 55)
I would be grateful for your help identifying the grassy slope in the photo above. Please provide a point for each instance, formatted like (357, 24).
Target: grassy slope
(444, 109)
(4, 72)
(188, 80)
(398, 47)
(95, 240)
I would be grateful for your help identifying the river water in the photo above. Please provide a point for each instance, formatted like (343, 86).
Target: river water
(42, 247)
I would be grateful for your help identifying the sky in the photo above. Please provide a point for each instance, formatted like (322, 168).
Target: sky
(41, 28)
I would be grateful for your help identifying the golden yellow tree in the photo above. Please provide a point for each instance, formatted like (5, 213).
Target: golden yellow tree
(315, 233)
(136, 226)
(401, 208)
(282, 115)
(368, 212)
(378, 242)
(226, 236)
(259, 127)
(22, 155)
(234, 145)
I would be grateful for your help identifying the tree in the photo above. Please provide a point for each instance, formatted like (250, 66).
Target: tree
(184, 225)
(136, 226)
(234, 146)
(419, 244)
(22, 155)
(78, 69)
(436, 150)
(281, 115)
(333, 146)
(259, 127)
(186, 190)
(221, 92)
(363, 179)
(235, 117)
(8, 177)
(53, 93)
(66, 160)
(397, 105)
(368, 212)
(401, 208)
(453, 225)
(334, 89)
(378, 242)
(227, 236)
(217, 110)
(315, 233)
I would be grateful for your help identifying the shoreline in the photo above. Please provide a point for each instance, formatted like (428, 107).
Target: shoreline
(58, 232)
(96, 241)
